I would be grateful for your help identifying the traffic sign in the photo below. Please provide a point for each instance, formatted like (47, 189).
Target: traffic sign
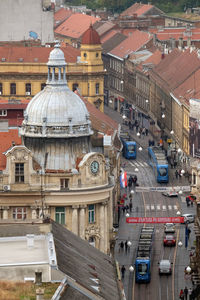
(155, 220)
(162, 189)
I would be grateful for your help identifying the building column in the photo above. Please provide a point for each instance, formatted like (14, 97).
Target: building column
(106, 245)
(102, 228)
(82, 222)
(5, 212)
(75, 219)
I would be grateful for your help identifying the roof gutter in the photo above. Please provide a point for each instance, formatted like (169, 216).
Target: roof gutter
(176, 100)
(71, 282)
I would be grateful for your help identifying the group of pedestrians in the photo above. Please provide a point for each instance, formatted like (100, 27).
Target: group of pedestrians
(124, 246)
(185, 293)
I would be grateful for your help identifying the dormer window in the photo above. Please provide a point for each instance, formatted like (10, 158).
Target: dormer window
(64, 184)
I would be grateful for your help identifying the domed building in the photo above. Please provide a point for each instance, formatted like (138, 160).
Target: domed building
(57, 172)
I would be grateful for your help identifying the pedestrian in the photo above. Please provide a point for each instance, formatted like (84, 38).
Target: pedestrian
(188, 201)
(147, 131)
(123, 270)
(126, 246)
(143, 132)
(176, 174)
(122, 246)
(130, 206)
(190, 293)
(186, 292)
(127, 208)
(181, 295)
(123, 209)
(189, 231)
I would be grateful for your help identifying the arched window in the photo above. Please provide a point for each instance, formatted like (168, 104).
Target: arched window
(28, 88)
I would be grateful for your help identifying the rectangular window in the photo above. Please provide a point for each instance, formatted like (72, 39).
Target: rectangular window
(19, 173)
(28, 88)
(19, 213)
(1, 89)
(60, 215)
(13, 88)
(3, 112)
(97, 88)
(91, 213)
(64, 184)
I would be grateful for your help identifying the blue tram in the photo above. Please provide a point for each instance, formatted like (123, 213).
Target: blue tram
(144, 256)
(129, 150)
(158, 161)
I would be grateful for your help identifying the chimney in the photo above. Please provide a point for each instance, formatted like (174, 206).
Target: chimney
(30, 240)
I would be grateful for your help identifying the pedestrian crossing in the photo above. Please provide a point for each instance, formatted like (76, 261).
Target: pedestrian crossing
(159, 207)
(138, 164)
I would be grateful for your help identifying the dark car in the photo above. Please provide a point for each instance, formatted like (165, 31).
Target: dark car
(169, 240)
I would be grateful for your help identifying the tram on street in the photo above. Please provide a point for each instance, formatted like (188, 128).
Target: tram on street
(129, 150)
(144, 255)
(158, 161)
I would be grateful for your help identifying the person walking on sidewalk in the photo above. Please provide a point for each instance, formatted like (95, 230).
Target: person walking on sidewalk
(185, 293)
(126, 246)
(190, 293)
(123, 270)
(181, 295)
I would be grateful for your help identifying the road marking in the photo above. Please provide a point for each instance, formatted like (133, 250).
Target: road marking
(182, 199)
(169, 207)
(146, 164)
(164, 207)
(158, 207)
(175, 207)
(152, 207)
(147, 207)
(137, 164)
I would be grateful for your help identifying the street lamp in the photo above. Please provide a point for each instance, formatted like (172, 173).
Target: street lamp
(180, 244)
(140, 148)
(131, 269)
(138, 134)
(132, 192)
(188, 269)
(163, 116)
(180, 192)
(136, 170)
(129, 243)
(124, 117)
(110, 101)
(172, 132)
(179, 150)
(127, 215)
(182, 172)
(178, 213)
(147, 101)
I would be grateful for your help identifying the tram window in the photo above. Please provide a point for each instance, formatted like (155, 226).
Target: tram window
(131, 148)
(162, 171)
(142, 268)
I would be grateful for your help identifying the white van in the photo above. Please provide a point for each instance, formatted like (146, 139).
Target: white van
(165, 267)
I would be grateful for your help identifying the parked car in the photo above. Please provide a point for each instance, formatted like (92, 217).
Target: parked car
(170, 194)
(165, 267)
(169, 240)
(169, 228)
(188, 218)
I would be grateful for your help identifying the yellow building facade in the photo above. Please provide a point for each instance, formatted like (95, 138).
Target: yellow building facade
(23, 71)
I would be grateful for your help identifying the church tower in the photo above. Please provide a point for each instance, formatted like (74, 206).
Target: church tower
(91, 55)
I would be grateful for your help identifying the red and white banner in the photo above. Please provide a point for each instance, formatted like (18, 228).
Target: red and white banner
(155, 220)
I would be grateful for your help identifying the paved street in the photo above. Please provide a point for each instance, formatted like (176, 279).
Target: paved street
(152, 204)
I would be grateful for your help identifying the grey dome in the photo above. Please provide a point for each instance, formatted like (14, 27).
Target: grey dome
(56, 111)
(56, 57)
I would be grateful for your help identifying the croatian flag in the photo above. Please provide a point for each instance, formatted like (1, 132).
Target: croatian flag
(123, 180)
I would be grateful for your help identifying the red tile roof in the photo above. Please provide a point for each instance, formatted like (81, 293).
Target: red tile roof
(176, 33)
(133, 43)
(6, 139)
(138, 9)
(9, 104)
(154, 59)
(61, 15)
(108, 35)
(35, 54)
(189, 89)
(90, 37)
(75, 25)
